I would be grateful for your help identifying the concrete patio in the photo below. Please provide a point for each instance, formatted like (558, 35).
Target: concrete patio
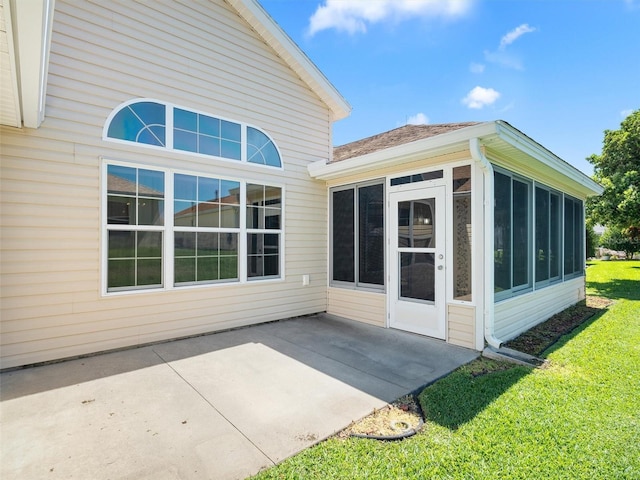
(220, 406)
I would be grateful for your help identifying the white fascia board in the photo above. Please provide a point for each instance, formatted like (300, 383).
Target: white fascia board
(289, 51)
(12, 115)
(518, 140)
(448, 142)
(33, 22)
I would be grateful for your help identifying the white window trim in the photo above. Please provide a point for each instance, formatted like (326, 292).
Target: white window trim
(169, 135)
(168, 230)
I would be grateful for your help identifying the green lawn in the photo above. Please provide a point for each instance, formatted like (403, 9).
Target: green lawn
(577, 419)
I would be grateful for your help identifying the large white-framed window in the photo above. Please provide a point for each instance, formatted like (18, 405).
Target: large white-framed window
(357, 235)
(166, 229)
(157, 124)
(548, 236)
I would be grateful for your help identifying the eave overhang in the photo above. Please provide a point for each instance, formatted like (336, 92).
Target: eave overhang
(293, 56)
(503, 144)
(25, 39)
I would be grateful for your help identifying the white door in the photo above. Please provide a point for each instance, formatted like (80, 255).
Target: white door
(417, 263)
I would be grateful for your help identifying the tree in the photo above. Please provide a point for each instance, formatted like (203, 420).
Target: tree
(621, 240)
(617, 169)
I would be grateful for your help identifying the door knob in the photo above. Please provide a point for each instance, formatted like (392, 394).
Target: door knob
(440, 267)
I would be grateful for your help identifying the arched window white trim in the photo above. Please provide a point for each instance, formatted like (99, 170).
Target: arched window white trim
(158, 124)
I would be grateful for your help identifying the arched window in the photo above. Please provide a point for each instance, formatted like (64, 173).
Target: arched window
(260, 149)
(145, 122)
(141, 122)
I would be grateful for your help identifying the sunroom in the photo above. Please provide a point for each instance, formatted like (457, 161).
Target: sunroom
(468, 232)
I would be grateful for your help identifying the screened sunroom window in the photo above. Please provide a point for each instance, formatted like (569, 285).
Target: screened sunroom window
(146, 122)
(357, 236)
(549, 241)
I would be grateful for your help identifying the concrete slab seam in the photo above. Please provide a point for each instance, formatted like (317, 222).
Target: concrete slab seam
(214, 407)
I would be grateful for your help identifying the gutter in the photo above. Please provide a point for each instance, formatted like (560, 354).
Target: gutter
(488, 314)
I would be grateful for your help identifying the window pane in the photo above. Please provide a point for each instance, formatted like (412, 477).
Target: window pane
(263, 258)
(343, 232)
(122, 244)
(209, 126)
(255, 194)
(150, 211)
(185, 187)
(542, 234)
(185, 244)
(209, 215)
(520, 233)
(149, 272)
(578, 235)
(569, 241)
(185, 214)
(555, 239)
(186, 141)
(371, 234)
(230, 150)
(142, 122)
(135, 258)
(151, 183)
(208, 189)
(417, 276)
(229, 192)
(207, 268)
(209, 145)
(121, 210)
(185, 120)
(229, 216)
(502, 232)
(230, 130)
(185, 269)
(122, 273)
(122, 180)
(462, 246)
(416, 223)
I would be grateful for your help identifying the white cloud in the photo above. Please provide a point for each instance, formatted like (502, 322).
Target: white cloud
(353, 16)
(480, 97)
(418, 119)
(476, 67)
(514, 34)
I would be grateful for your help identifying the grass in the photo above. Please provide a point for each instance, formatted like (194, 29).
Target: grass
(579, 418)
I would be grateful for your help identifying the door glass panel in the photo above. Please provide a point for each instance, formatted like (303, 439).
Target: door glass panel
(416, 223)
(417, 276)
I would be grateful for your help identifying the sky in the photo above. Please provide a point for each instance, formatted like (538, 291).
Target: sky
(560, 71)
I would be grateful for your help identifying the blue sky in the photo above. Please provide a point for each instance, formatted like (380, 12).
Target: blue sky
(560, 71)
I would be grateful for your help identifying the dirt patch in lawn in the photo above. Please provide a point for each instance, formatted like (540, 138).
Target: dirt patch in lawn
(542, 336)
(396, 420)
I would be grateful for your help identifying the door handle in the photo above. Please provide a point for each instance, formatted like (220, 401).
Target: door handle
(440, 267)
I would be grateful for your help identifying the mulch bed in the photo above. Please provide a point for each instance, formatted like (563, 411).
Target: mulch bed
(542, 336)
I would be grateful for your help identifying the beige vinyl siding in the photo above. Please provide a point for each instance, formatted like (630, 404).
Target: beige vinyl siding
(367, 307)
(515, 315)
(461, 325)
(199, 55)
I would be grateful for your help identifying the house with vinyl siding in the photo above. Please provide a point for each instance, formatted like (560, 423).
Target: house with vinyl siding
(167, 170)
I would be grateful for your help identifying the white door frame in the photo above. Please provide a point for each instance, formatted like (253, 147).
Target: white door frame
(425, 317)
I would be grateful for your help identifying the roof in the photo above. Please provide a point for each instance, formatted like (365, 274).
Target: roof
(503, 145)
(395, 137)
(25, 39)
